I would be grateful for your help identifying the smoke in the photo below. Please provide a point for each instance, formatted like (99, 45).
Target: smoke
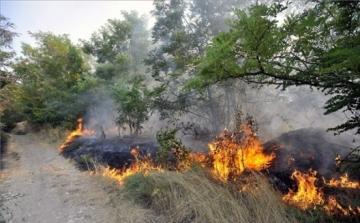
(308, 148)
(276, 111)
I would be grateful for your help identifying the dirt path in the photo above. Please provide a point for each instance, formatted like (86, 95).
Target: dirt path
(38, 185)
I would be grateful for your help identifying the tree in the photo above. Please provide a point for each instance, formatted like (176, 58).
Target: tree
(51, 77)
(119, 46)
(319, 47)
(6, 52)
(181, 32)
(133, 101)
(6, 77)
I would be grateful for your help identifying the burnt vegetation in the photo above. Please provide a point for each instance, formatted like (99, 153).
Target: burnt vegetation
(164, 109)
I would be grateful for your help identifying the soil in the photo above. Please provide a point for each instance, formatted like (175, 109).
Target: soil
(38, 185)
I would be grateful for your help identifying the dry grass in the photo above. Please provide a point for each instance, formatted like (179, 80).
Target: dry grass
(193, 197)
(55, 135)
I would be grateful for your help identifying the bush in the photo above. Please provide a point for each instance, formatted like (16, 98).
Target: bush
(171, 154)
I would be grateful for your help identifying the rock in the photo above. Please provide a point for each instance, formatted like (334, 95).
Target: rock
(21, 128)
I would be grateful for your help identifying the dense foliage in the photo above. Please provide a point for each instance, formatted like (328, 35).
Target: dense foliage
(200, 50)
(318, 47)
(120, 47)
(50, 77)
(7, 80)
(181, 32)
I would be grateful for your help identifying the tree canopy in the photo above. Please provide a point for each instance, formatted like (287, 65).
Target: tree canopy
(51, 76)
(319, 47)
(6, 78)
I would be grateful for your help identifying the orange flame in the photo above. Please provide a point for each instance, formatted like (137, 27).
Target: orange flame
(344, 182)
(231, 158)
(334, 207)
(142, 165)
(79, 131)
(307, 195)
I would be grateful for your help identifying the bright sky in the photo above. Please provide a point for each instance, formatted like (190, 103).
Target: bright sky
(79, 19)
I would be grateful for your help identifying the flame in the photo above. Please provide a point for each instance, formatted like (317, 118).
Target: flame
(344, 182)
(143, 165)
(118, 175)
(200, 158)
(79, 131)
(333, 206)
(307, 195)
(231, 156)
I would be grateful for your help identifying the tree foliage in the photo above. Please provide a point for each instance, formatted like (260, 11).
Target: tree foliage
(319, 47)
(134, 103)
(119, 46)
(7, 80)
(181, 32)
(51, 77)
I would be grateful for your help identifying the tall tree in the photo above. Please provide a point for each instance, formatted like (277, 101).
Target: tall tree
(181, 32)
(120, 47)
(318, 47)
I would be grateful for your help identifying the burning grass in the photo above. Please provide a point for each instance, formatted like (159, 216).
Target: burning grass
(79, 131)
(226, 186)
(309, 195)
(142, 165)
(231, 158)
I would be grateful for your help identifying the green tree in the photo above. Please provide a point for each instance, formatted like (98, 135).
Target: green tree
(319, 47)
(7, 79)
(181, 32)
(51, 76)
(133, 100)
(119, 46)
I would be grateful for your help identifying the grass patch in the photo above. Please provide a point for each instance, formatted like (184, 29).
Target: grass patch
(193, 197)
(55, 135)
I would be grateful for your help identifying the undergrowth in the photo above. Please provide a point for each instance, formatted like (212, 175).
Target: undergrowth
(193, 196)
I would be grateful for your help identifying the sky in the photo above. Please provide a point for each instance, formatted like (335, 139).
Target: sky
(79, 19)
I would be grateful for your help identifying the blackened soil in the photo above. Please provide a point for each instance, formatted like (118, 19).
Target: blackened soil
(115, 153)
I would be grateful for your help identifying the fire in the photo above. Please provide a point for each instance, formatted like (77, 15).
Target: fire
(79, 131)
(118, 175)
(344, 182)
(333, 207)
(231, 155)
(307, 195)
(143, 165)
(348, 187)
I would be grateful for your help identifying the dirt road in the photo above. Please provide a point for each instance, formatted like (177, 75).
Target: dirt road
(38, 185)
